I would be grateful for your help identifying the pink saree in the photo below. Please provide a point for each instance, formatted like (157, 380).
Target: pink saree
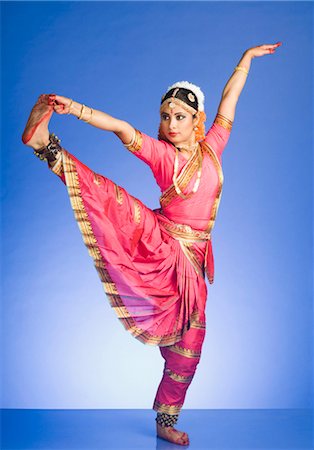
(152, 264)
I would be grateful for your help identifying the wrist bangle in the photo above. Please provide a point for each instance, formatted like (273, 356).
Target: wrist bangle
(82, 112)
(70, 106)
(90, 117)
(242, 69)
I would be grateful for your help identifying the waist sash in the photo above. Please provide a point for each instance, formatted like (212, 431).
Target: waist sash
(187, 235)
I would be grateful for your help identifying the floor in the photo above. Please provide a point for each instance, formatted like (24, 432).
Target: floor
(270, 429)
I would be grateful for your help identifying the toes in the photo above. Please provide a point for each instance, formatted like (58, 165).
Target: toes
(47, 99)
(184, 439)
(51, 99)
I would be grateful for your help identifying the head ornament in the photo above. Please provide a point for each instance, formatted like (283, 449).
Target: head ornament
(186, 92)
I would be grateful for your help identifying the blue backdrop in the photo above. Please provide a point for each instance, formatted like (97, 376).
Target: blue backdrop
(63, 346)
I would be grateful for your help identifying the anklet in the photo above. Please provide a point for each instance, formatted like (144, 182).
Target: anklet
(167, 420)
(50, 152)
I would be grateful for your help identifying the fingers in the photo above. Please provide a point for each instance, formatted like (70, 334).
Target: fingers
(270, 48)
(278, 44)
(60, 104)
(60, 109)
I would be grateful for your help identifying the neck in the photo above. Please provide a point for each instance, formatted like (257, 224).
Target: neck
(188, 145)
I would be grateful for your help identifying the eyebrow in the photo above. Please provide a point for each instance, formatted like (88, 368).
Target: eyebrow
(181, 113)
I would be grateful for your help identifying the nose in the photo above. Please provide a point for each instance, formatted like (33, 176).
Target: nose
(172, 123)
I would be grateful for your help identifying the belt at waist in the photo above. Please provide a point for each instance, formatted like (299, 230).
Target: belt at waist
(182, 231)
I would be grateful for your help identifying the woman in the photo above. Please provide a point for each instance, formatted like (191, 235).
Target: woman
(152, 263)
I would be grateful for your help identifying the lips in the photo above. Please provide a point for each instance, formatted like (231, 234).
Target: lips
(173, 134)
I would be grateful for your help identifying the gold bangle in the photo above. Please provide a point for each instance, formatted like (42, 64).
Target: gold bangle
(137, 141)
(70, 106)
(82, 112)
(242, 69)
(90, 117)
(132, 140)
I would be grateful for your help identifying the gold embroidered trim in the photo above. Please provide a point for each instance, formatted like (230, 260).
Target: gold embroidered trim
(182, 231)
(168, 409)
(212, 154)
(136, 144)
(180, 378)
(223, 121)
(109, 286)
(119, 195)
(137, 212)
(209, 275)
(57, 168)
(199, 325)
(121, 311)
(190, 168)
(188, 251)
(187, 352)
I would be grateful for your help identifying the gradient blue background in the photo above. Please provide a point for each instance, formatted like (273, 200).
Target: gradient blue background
(63, 346)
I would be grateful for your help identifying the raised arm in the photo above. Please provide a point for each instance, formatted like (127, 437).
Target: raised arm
(236, 82)
(99, 119)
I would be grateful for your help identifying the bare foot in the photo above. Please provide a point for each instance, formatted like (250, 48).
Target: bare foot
(172, 435)
(36, 132)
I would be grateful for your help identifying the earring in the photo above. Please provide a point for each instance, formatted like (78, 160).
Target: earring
(195, 128)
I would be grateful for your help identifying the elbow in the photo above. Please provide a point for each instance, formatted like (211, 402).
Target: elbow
(231, 96)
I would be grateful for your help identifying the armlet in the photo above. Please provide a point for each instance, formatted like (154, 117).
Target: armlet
(136, 143)
(223, 121)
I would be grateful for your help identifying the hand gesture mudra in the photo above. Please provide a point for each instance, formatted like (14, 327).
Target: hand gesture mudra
(61, 105)
(262, 50)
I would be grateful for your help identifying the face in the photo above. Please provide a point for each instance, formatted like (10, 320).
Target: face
(177, 125)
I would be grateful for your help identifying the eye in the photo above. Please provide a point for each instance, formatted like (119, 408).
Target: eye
(164, 117)
(180, 117)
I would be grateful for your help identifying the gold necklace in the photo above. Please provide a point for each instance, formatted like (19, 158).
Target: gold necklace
(189, 148)
(198, 177)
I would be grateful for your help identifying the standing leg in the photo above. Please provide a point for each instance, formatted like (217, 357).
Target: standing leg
(181, 360)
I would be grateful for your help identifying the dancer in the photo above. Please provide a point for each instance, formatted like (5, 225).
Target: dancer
(152, 264)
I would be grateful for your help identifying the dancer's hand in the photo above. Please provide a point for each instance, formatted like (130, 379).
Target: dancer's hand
(61, 105)
(262, 50)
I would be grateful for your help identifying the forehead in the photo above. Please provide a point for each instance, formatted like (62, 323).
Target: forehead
(172, 111)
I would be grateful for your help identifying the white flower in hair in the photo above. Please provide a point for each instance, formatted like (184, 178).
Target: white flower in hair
(192, 87)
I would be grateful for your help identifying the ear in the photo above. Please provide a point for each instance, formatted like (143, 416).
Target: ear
(196, 118)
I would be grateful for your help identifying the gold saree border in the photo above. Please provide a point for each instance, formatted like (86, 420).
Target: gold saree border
(110, 288)
(189, 169)
(186, 352)
(188, 251)
(168, 409)
(183, 231)
(217, 164)
(180, 378)
(223, 121)
(57, 168)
